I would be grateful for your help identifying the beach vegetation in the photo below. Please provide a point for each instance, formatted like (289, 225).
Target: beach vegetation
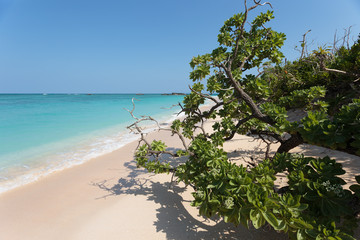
(314, 99)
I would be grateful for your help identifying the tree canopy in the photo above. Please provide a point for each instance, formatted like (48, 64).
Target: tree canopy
(323, 86)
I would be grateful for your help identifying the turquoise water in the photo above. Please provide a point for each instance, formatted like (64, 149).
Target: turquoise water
(40, 134)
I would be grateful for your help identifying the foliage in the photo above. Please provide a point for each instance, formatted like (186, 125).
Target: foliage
(330, 96)
(322, 85)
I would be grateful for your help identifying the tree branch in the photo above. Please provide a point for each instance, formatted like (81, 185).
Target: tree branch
(277, 137)
(248, 100)
(242, 27)
(303, 44)
(204, 95)
(239, 123)
(340, 72)
(294, 141)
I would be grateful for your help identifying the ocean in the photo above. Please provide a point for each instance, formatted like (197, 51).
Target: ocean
(44, 133)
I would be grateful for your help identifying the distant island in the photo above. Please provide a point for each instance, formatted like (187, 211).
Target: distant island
(173, 93)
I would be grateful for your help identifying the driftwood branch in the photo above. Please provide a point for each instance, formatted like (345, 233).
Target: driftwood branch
(133, 109)
(135, 128)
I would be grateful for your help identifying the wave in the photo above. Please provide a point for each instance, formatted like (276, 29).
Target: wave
(61, 156)
(53, 157)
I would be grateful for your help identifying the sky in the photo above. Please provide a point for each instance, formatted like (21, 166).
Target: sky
(138, 46)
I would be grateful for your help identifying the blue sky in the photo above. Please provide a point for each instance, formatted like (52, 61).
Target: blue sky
(112, 46)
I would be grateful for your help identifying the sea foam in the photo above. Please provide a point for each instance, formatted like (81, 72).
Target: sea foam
(30, 163)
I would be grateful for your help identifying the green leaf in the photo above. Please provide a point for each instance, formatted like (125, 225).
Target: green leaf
(357, 178)
(300, 223)
(272, 220)
(355, 188)
(257, 218)
(344, 236)
(301, 235)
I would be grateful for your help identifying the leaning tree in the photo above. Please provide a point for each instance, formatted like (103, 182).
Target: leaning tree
(322, 88)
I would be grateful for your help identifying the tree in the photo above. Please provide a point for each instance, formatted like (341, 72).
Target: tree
(314, 202)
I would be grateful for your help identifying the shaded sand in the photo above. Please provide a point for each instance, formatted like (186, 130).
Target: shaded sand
(109, 198)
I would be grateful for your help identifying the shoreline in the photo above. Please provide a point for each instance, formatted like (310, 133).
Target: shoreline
(109, 198)
(80, 154)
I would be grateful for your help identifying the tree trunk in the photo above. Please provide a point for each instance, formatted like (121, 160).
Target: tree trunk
(294, 141)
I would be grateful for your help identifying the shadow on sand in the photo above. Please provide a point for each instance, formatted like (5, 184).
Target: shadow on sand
(172, 217)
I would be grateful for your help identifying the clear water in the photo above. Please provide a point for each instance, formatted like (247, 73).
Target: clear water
(40, 133)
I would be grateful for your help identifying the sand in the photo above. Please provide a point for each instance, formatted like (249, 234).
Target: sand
(109, 198)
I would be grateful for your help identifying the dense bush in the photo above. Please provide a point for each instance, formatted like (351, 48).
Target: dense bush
(322, 85)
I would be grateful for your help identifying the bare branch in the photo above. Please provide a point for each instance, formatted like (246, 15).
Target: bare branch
(334, 48)
(341, 72)
(348, 37)
(258, 3)
(179, 135)
(139, 120)
(171, 107)
(133, 109)
(303, 44)
(268, 145)
(226, 89)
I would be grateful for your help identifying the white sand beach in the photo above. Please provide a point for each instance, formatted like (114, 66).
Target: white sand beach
(109, 198)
